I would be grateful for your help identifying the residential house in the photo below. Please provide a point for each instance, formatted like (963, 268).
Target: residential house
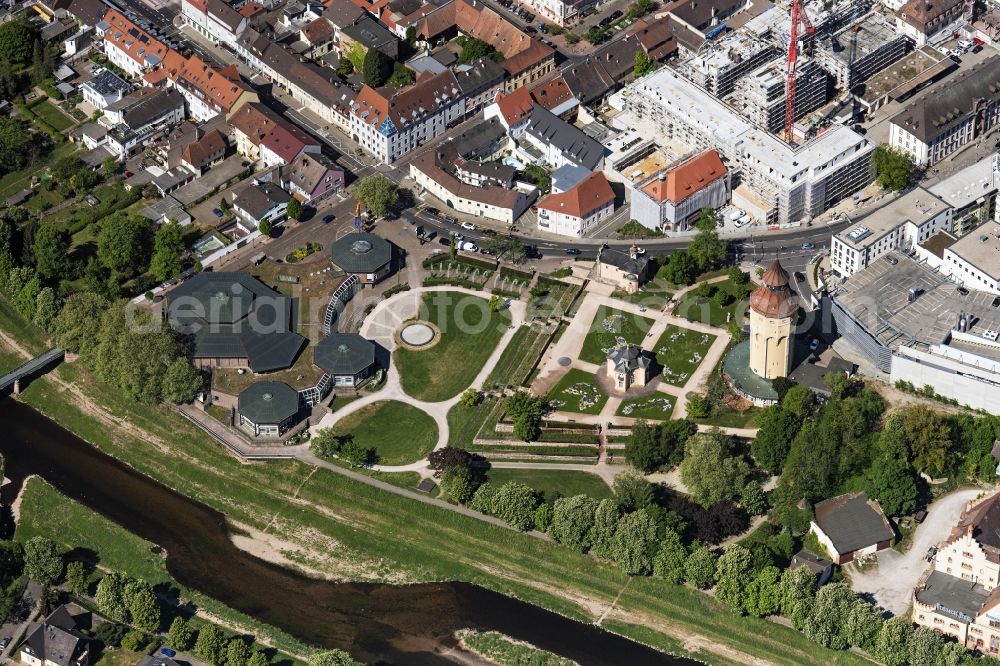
(208, 91)
(58, 641)
(479, 83)
(130, 47)
(205, 152)
(215, 19)
(562, 12)
(388, 124)
(255, 202)
(921, 20)
(575, 211)
(851, 526)
(513, 110)
(370, 34)
(104, 88)
(625, 269)
(674, 197)
(318, 37)
(554, 94)
(548, 139)
(135, 119)
(312, 178)
(261, 135)
(820, 568)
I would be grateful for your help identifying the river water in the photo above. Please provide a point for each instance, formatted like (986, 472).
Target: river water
(391, 624)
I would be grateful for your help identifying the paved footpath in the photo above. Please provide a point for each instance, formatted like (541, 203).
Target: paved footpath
(381, 326)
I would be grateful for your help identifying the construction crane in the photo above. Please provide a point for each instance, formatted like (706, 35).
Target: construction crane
(798, 16)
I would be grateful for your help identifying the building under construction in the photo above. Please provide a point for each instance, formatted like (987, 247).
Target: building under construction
(858, 52)
(760, 96)
(719, 66)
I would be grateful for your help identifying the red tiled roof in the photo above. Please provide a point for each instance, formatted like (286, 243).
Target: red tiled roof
(772, 297)
(222, 87)
(590, 194)
(201, 151)
(254, 121)
(552, 93)
(286, 141)
(407, 105)
(251, 9)
(318, 30)
(515, 106)
(688, 178)
(200, 5)
(132, 39)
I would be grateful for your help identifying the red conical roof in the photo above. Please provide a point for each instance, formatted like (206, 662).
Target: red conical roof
(773, 298)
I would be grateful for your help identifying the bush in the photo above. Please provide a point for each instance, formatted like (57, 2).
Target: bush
(111, 634)
(133, 641)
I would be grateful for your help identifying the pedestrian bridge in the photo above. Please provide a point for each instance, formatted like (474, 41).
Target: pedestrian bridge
(40, 363)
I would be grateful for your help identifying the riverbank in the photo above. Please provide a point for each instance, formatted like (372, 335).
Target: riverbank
(372, 535)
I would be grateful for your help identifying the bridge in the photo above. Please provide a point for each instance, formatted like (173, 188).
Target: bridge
(40, 363)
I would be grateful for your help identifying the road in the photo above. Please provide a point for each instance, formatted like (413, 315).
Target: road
(21, 617)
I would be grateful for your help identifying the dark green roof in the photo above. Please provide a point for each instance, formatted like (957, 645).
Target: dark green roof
(268, 402)
(360, 253)
(235, 315)
(344, 354)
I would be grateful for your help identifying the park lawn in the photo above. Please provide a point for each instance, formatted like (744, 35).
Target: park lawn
(656, 407)
(654, 300)
(399, 433)
(578, 392)
(428, 543)
(610, 324)
(704, 309)
(730, 418)
(15, 181)
(53, 116)
(546, 481)
(680, 351)
(469, 334)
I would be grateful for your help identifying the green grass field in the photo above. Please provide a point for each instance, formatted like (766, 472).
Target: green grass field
(469, 334)
(545, 481)
(656, 407)
(400, 433)
(17, 180)
(732, 419)
(427, 542)
(680, 351)
(610, 324)
(704, 309)
(505, 651)
(53, 116)
(578, 392)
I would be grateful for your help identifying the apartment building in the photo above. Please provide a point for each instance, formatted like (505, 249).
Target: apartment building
(214, 19)
(579, 209)
(128, 46)
(908, 221)
(262, 136)
(671, 198)
(135, 119)
(935, 126)
(921, 20)
(208, 91)
(719, 65)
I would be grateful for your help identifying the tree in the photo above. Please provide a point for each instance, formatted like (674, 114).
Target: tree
(237, 652)
(51, 252)
(449, 456)
(85, 179)
(668, 563)
(76, 578)
(401, 77)
(892, 641)
(64, 167)
(515, 504)
(133, 641)
(596, 34)
(796, 592)
(679, 269)
(378, 194)
(697, 406)
(356, 53)
(761, 595)
(633, 543)
(17, 41)
(776, 428)
(474, 49)
(460, 484)
(111, 597)
(332, 658)
(925, 646)
(892, 482)
(294, 209)
(110, 166)
(42, 560)
(358, 454)
(699, 567)
(143, 606)
(123, 243)
(258, 658)
(632, 492)
(376, 68)
(180, 636)
(829, 612)
(922, 433)
(525, 410)
(482, 499)
(732, 574)
(709, 472)
(470, 398)
(264, 226)
(110, 634)
(543, 517)
(602, 533)
(211, 644)
(345, 68)
(46, 309)
(650, 447)
(181, 381)
(572, 520)
(643, 64)
(753, 498)
(168, 249)
(892, 167)
(15, 140)
(799, 401)
(862, 625)
(706, 248)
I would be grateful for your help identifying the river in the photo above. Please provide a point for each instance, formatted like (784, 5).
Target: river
(377, 623)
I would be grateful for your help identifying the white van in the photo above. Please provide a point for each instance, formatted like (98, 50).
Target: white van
(735, 214)
(468, 246)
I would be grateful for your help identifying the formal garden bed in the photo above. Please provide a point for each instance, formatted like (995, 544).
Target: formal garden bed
(680, 351)
(655, 407)
(469, 334)
(612, 328)
(579, 392)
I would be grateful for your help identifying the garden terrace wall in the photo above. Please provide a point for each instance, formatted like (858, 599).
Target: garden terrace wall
(472, 261)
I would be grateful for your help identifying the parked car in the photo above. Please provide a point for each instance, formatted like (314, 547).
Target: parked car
(814, 345)
(433, 211)
(977, 48)
(572, 251)
(468, 225)
(799, 277)
(617, 14)
(489, 233)
(5, 642)
(964, 44)
(892, 260)
(449, 219)
(996, 302)
(419, 230)
(217, 212)
(808, 246)
(530, 29)
(963, 291)
(167, 652)
(327, 219)
(444, 240)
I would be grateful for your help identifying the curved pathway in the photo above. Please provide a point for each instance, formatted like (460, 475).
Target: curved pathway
(380, 326)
